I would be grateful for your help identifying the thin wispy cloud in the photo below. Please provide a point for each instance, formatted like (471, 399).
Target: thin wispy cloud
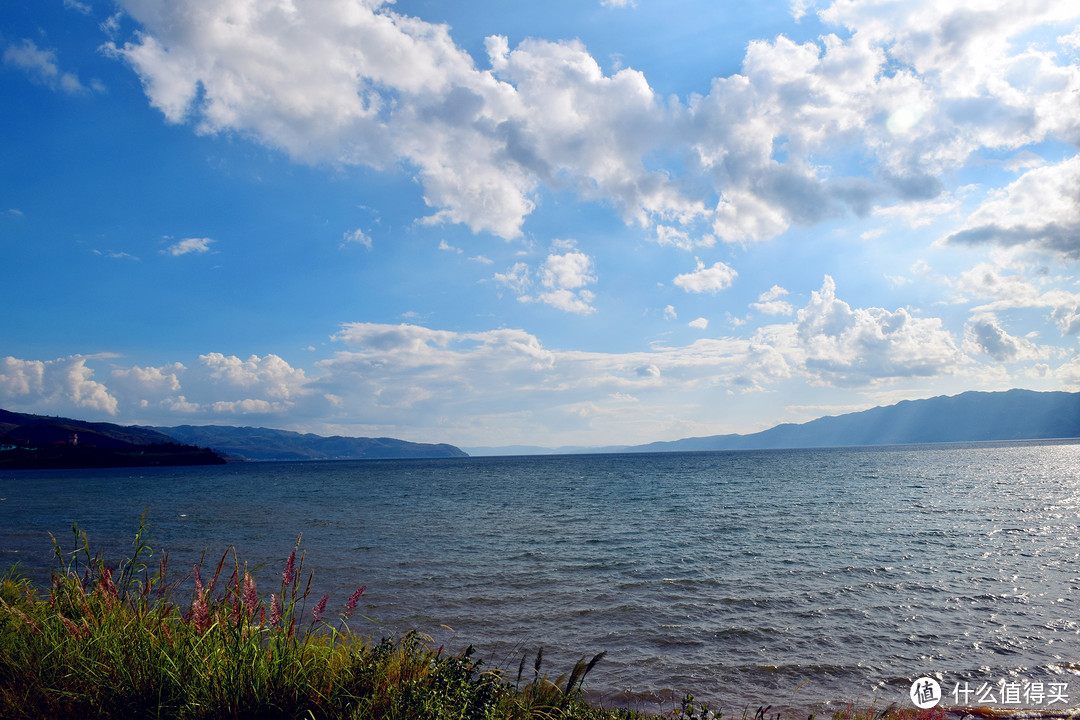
(189, 246)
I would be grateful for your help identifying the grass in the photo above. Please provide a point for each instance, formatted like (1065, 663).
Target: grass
(124, 642)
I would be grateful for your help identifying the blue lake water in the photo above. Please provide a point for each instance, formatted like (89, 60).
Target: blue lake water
(790, 578)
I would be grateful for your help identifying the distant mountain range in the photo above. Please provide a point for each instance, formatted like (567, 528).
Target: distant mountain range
(247, 443)
(968, 417)
(41, 442)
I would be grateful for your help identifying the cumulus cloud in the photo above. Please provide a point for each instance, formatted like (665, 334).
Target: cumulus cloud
(369, 86)
(1039, 210)
(561, 278)
(1005, 283)
(829, 343)
(418, 382)
(707, 279)
(700, 323)
(916, 92)
(269, 376)
(61, 385)
(771, 302)
(42, 67)
(188, 246)
(846, 346)
(984, 334)
(571, 270)
(1067, 318)
(145, 381)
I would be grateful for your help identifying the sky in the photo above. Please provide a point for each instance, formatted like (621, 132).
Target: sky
(568, 222)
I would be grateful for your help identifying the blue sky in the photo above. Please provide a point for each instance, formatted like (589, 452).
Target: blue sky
(559, 223)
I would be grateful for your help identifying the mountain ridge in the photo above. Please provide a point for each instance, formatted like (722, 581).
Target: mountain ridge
(251, 443)
(34, 442)
(973, 416)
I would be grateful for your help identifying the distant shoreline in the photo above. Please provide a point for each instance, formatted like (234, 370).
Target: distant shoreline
(78, 457)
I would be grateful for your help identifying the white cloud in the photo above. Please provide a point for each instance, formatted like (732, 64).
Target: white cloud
(858, 346)
(770, 302)
(920, 213)
(359, 237)
(269, 376)
(1039, 210)
(562, 277)
(915, 92)
(897, 280)
(570, 270)
(712, 279)
(984, 333)
(669, 313)
(188, 246)
(62, 385)
(668, 235)
(249, 406)
(700, 323)
(1067, 318)
(366, 85)
(1068, 373)
(78, 6)
(799, 8)
(1024, 160)
(565, 276)
(516, 278)
(505, 385)
(1008, 283)
(117, 255)
(578, 302)
(180, 404)
(163, 380)
(41, 66)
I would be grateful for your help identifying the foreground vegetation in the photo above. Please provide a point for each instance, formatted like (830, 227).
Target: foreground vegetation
(123, 642)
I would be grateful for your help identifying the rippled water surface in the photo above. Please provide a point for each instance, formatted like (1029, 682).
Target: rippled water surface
(789, 578)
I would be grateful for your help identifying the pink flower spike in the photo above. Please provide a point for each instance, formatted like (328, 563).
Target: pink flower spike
(287, 576)
(320, 608)
(354, 600)
(107, 584)
(275, 611)
(251, 598)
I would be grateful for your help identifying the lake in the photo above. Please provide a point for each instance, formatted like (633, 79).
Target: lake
(791, 577)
